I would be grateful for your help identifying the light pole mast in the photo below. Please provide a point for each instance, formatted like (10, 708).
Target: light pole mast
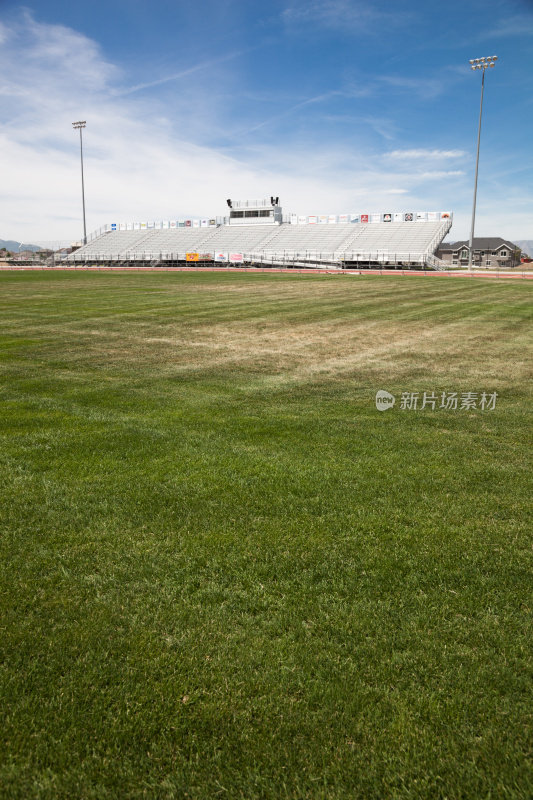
(482, 64)
(79, 126)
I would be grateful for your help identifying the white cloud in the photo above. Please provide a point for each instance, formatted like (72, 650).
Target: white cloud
(343, 15)
(420, 153)
(204, 65)
(435, 174)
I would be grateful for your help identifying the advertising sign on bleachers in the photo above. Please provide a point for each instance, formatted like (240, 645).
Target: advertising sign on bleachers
(420, 216)
(192, 256)
(409, 216)
(332, 219)
(398, 216)
(387, 217)
(343, 218)
(355, 218)
(236, 258)
(432, 216)
(221, 258)
(312, 220)
(302, 220)
(364, 217)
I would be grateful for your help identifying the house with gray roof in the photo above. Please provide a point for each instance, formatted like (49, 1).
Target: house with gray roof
(488, 251)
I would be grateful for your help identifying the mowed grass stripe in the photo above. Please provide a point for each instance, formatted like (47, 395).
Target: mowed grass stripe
(225, 572)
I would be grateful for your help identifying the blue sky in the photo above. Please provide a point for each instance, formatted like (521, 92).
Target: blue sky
(336, 106)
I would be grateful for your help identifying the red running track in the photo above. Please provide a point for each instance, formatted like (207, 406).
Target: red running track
(296, 270)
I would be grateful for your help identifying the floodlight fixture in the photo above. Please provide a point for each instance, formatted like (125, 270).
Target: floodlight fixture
(79, 127)
(482, 64)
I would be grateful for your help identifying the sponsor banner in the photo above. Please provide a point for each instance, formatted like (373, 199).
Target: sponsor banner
(205, 256)
(375, 218)
(204, 223)
(343, 218)
(221, 258)
(420, 216)
(408, 216)
(398, 216)
(113, 226)
(166, 223)
(236, 258)
(387, 217)
(355, 218)
(136, 226)
(445, 215)
(332, 219)
(173, 224)
(192, 256)
(129, 226)
(323, 219)
(212, 223)
(196, 223)
(312, 220)
(188, 223)
(302, 220)
(122, 226)
(364, 217)
(293, 219)
(180, 223)
(150, 224)
(144, 225)
(432, 216)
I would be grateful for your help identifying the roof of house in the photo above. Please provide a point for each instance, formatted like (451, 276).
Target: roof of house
(481, 243)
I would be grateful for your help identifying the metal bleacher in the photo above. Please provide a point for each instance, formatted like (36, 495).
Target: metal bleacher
(411, 243)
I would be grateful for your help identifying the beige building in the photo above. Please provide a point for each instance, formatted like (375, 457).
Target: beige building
(491, 251)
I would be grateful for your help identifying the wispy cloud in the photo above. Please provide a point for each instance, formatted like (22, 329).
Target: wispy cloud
(421, 153)
(344, 15)
(436, 174)
(176, 76)
(319, 98)
(426, 88)
(518, 25)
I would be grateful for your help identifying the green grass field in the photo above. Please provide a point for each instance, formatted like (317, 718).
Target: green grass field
(225, 574)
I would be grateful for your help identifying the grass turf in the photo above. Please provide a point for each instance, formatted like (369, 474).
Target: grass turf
(226, 574)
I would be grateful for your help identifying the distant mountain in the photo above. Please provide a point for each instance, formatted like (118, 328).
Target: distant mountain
(526, 246)
(13, 247)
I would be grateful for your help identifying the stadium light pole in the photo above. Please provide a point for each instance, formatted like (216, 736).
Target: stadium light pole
(482, 64)
(79, 126)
